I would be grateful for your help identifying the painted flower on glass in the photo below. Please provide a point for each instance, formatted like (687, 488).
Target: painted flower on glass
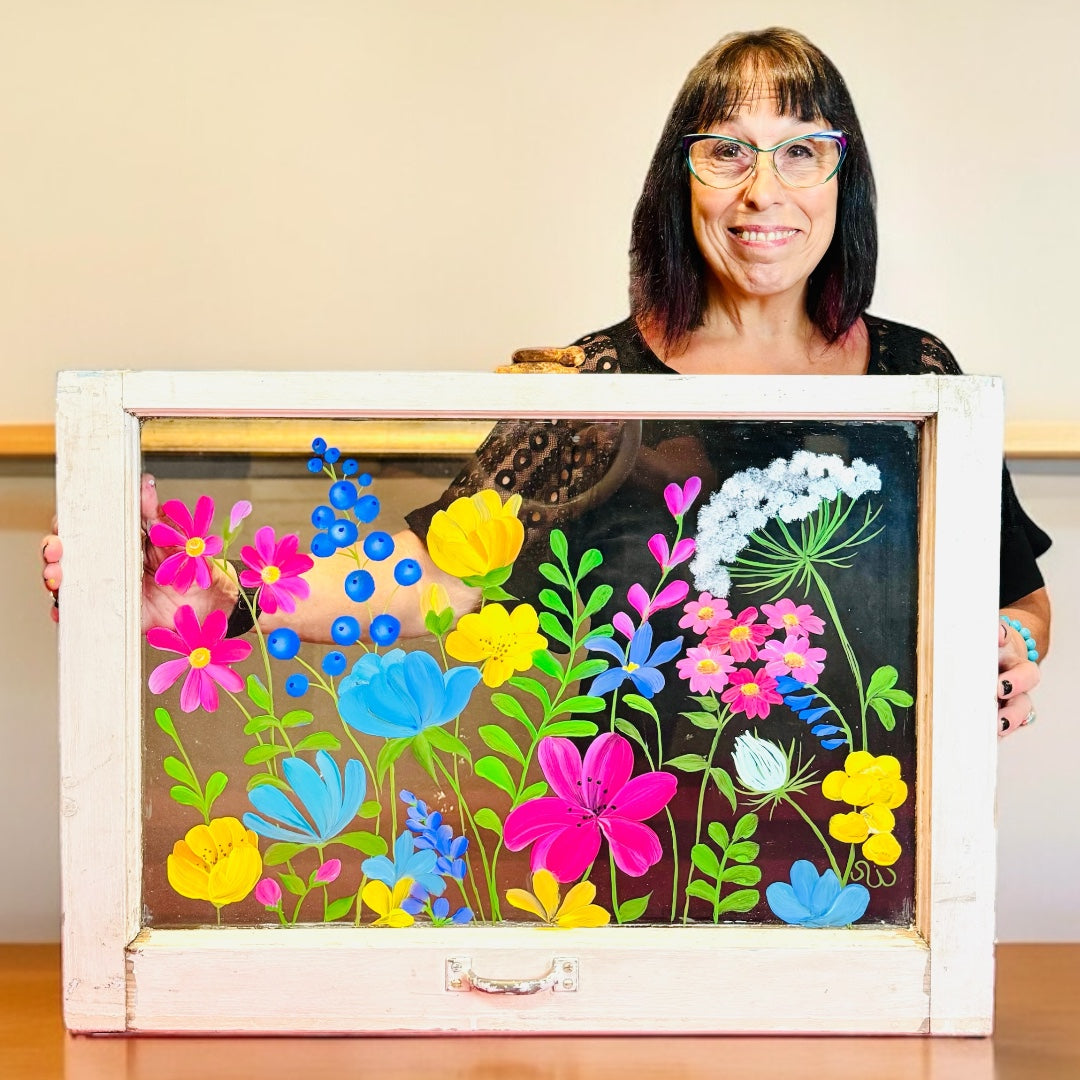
(476, 535)
(639, 663)
(741, 636)
(503, 641)
(706, 670)
(751, 692)
(329, 803)
(668, 557)
(762, 766)
(219, 862)
(274, 568)
(680, 499)
(669, 596)
(386, 901)
(704, 613)
(398, 694)
(417, 867)
(873, 786)
(872, 827)
(816, 900)
(191, 534)
(431, 833)
(793, 618)
(205, 658)
(577, 909)
(793, 656)
(592, 799)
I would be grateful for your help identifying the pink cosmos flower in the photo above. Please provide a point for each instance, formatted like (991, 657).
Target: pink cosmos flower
(190, 533)
(752, 692)
(706, 669)
(680, 499)
(275, 570)
(792, 619)
(268, 893)
(704, 613)
(593, 798)
(669, 596)
(682, 551)
(206, 655)
(741, 637)
(795, 657)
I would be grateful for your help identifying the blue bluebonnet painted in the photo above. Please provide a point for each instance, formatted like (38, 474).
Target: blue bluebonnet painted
(800, 698)
(814, 899)
(433, 834)
(407, 863)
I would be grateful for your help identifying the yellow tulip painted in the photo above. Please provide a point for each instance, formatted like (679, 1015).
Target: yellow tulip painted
(474, 536)
(503, 641)
(577, 909)
(219, 862)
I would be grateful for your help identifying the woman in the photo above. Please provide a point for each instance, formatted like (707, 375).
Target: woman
(753, 251)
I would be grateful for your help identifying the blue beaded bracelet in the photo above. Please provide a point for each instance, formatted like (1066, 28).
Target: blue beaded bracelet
(1025, 633)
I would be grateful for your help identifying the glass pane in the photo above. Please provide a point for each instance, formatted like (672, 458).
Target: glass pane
(686, 683)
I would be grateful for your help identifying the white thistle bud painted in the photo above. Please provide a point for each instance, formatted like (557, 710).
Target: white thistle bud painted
(762, 766)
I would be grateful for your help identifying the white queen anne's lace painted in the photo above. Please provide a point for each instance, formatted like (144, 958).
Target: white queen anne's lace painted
(790, 490)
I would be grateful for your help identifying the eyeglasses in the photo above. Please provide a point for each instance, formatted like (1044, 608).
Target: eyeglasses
(719, 161)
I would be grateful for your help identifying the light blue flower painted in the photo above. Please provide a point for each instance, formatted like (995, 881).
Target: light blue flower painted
(330, 805)
(635, 664)
(408, 863)
(398, 694)
(816, 900)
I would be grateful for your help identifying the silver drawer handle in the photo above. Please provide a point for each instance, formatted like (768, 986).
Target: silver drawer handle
(561, 977)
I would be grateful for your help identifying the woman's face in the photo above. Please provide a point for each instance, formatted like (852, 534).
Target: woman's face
(732, 225)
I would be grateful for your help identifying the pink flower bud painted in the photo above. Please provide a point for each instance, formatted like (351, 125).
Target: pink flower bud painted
(328, 872)
(237, 514)
(680, 499)
(268, 893)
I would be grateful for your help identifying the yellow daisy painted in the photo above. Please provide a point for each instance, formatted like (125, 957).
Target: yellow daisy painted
(504, 641)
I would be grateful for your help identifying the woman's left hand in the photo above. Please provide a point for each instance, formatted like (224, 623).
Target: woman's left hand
(1017, 677)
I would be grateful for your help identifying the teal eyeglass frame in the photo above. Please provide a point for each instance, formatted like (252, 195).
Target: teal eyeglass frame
(836, 136)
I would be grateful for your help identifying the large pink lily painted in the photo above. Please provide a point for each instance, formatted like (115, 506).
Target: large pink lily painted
(205, 658)
(593, 798)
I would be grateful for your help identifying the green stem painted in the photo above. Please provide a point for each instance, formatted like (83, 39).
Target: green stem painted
(493, 895)
(849, 652)
(817, 832)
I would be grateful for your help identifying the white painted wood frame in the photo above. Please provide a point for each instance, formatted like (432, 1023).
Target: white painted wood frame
(936, 977)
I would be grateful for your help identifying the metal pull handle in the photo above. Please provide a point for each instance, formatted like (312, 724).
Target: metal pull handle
(561, 977)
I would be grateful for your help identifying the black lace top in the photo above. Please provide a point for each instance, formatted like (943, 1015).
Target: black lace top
(565, 469)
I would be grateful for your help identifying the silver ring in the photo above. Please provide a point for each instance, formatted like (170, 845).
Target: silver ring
(1029, 719)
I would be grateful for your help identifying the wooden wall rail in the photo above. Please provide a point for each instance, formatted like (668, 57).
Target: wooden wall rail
(1023, 440)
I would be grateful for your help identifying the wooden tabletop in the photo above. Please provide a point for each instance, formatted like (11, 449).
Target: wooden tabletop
(1038, 1038)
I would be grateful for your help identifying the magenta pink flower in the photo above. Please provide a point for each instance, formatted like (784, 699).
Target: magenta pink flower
(794, 656)
(237, 514)
(593, 798)
(741, 637)
(680, 499)
(667, 558)
(751, 692)
(706, 669)
(190, 533)
(268, 893)
(704, 613)
(328, 872)
(275, 569)
(792, 619)
(669, 596)
(205, 658)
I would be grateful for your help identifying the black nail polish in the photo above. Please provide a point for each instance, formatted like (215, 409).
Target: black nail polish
(1006, 687)
(1004, 725)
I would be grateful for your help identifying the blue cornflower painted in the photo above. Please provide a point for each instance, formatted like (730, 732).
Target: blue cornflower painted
(638, 663)
(816, 900)
(329, 804)
(433, 834)
(407, 863)
(398, 694)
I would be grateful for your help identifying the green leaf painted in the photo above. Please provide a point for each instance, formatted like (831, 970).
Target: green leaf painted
(586, 670)
(704, 858)
(513, 708)
(369, 809)
(258, 724)
(294, 884)
(706, 720)
(175, 768)
(392, 749)
(497, 594)
(448, 742)
(745, 827)
(258, 693)
(296, 718)
(421, 750)
(486, 818)
(724, 784)
(495, 771)
(338, 909)
(742, 875)
(257, 755)
(367, 842)
(267, 778)
(898, 697)
(551, 599)
(718, 834)
(597, 599)
(548, 664)
(582, 704)
(743, 900)
(557, 540)
(629, 910)
(554, 574)
(640, 704)
(499, 740)
(882, 679)
(319, 740)
(276, 854)
(709, 704)
(702, 890)
(744, 852)
(688, 763)
(884, 712)
(186, 797)
(589, 562)
(215, 785)
(571, 729)
(551, 626)
(165, 722)
(533, 791)
(630, 731)
(606, 630)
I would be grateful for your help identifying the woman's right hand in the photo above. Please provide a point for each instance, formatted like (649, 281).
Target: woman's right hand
(160, 602)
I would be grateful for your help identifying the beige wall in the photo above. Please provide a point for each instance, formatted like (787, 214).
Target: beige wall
(272, 184)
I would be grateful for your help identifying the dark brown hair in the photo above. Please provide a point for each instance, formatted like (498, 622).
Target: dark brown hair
(667, 272)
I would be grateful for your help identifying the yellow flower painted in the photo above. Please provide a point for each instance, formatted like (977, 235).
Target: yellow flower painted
(866, 780)
(882, 848)
(434, 600)
(474, 536)
(219, 862)
(503, 640)
(386, 903)
(577, 909)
